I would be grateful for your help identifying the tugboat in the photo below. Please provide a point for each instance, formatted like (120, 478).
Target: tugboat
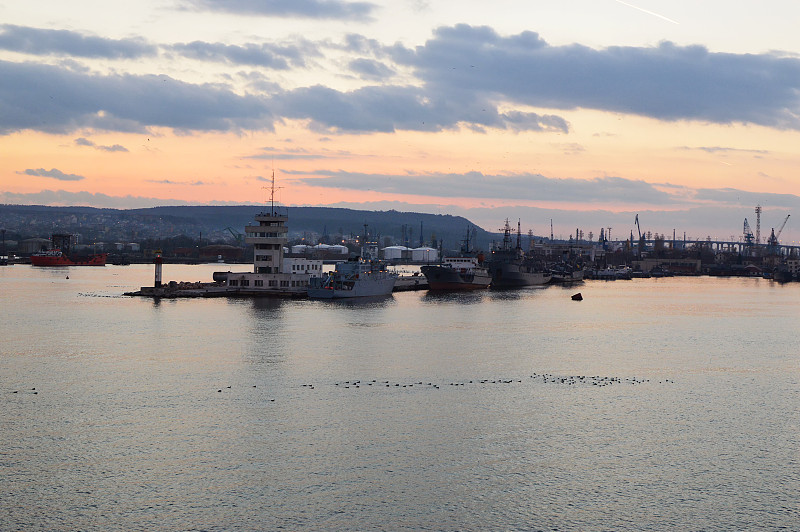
(511, 268)
(62, 254)
(355, 278)
(465, 272)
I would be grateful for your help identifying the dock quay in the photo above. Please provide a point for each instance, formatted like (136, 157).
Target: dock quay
(174, 289)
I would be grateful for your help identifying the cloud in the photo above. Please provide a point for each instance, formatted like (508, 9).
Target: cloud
(665, 82)
(37, 41)
(720, 149)
(59, 100)
(53, 173)
(99, 200)
(518, 187)
(86, 142)
(171, 182)
(370, 69)
(391, 108)
(317, 9)
(264, 55)
(293, 154)
(467, 77)
(744, 198)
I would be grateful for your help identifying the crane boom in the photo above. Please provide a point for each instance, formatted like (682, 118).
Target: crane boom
(778, 234)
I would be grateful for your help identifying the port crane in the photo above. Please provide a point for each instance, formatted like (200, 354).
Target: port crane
(748, 233)
(237, 236)
(772, 242)
(641, 246)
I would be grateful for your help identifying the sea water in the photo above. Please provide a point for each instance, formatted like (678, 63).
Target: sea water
(653, 404)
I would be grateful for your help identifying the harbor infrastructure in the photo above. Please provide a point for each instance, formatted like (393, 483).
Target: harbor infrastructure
(272, 275)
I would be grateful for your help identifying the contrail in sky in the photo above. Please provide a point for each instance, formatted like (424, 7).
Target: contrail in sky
(646, 11)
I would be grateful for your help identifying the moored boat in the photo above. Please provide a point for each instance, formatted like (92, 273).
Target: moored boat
(55, 257)
(464, 272)
(511, 268)
(354, 278)
(62, 254)
(457, 273)
(566, 274)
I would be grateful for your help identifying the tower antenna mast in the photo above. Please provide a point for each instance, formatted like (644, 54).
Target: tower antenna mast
(272, 190)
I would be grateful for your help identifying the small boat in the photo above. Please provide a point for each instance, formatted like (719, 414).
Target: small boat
(354, 278)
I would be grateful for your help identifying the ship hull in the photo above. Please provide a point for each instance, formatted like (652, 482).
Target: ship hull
(511, 275)
(442, 278)
(353, 279)
(364, 287)
(62, 260)
(567, 277)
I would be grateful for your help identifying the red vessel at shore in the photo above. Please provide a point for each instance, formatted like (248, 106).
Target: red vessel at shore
(61, 255)
(55, 257)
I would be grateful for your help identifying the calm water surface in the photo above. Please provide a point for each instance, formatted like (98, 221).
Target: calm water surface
(418, 412)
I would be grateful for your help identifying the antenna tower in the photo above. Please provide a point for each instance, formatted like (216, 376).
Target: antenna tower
(272, 190)
(758, 224)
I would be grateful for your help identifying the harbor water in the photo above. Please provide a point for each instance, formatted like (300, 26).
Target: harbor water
(653, 404)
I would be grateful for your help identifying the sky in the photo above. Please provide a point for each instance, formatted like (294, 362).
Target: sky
(583, 112)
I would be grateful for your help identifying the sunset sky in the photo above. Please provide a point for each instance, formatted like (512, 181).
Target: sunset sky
(586, 112)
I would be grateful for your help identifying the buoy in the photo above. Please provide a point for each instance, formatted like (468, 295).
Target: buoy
(577, 297)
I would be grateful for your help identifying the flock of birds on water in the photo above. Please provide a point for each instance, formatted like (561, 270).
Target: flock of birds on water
(544, 378)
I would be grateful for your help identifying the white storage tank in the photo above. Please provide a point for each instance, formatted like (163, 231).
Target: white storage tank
(339, 249)
(394, 252)
(425, 255)
(300, 248)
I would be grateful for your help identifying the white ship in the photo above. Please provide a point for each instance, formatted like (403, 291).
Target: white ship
(354, 278)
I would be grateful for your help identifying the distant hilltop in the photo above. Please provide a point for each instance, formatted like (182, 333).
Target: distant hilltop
(215, 223)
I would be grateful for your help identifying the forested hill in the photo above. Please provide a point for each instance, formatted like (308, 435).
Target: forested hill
(25, 221)
(335, 221)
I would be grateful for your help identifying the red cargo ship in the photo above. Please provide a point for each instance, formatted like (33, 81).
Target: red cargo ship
(54, 257)
(61, 255)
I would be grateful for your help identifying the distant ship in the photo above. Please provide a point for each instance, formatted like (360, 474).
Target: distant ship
(62, 255)
(566, 274)
(354, 278)
(465, 272)
(511, 268)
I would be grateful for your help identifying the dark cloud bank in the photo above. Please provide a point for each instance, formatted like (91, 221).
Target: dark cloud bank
(466, 73)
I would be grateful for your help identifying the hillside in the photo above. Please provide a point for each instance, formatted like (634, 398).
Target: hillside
(217, 223)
